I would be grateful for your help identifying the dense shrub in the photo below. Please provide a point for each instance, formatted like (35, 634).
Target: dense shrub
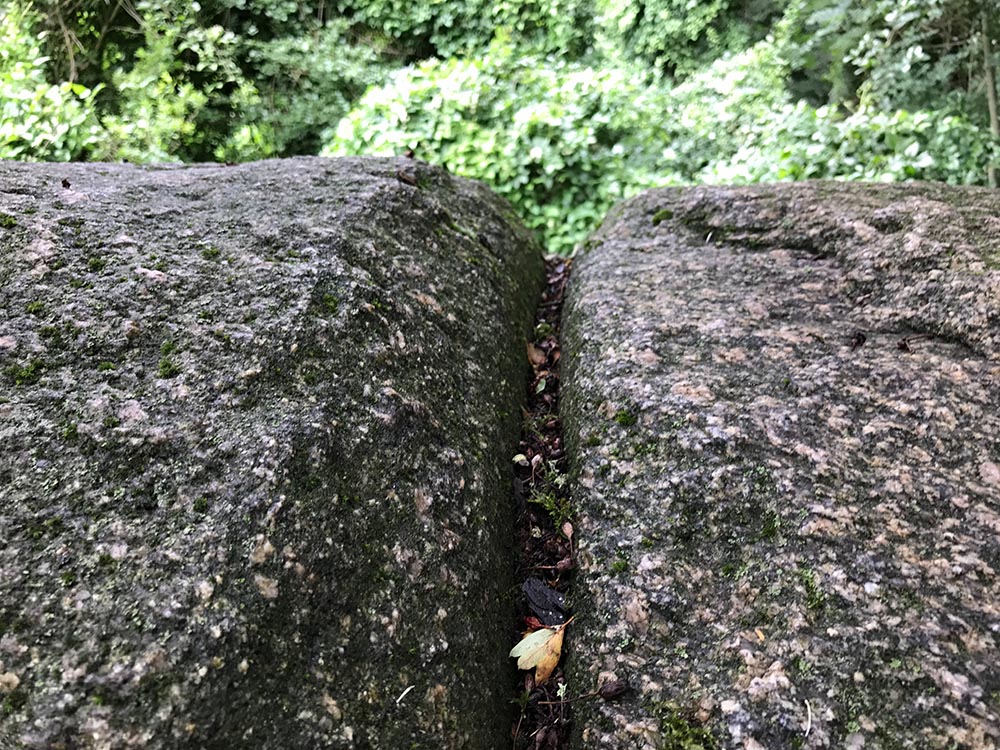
(418, 29)
(184, 80)
(734, 122)
(677, 37)
(802, 142)
(225, 80)
(562, 141)
(307, 83)
(39, 120)
(908, 54)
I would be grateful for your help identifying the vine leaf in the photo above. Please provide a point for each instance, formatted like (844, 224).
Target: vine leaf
(540, 649)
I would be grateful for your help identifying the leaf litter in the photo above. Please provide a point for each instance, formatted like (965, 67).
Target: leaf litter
(544, 536)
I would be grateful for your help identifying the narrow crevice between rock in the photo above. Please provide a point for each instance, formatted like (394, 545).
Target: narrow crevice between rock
(544, 528)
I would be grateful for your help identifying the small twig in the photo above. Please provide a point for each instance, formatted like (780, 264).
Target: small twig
(809, 719)
(68, 43)
(517, 729)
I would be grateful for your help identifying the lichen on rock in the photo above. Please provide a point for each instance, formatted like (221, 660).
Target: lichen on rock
(783, 408)
(256, 426)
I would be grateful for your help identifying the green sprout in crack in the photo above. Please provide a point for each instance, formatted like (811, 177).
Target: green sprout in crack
(557, 507)
(548, 493)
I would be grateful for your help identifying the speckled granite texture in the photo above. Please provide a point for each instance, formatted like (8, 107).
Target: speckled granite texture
(783, 407)
(256, 426)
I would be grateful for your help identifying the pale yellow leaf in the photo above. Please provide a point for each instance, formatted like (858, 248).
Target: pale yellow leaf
(540, 650)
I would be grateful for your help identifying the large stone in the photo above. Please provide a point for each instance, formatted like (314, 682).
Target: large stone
(783, 408)
(256, 424)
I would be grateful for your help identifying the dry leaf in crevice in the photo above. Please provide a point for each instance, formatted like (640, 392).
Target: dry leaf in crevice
(565, 565)
(533, 623)
(567, 531)
(536, 356)
(540, 649)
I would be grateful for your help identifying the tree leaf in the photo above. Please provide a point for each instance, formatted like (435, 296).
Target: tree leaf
(540, 649)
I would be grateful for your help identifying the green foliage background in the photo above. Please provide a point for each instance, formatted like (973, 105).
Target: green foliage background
(563, 106)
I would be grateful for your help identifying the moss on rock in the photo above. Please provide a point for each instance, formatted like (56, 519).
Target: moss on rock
(791, 541)
(255, 481)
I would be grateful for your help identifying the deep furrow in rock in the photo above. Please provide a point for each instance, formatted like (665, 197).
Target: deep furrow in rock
(544, 528)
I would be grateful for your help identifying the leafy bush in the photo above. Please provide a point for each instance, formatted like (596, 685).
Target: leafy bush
(733, 122)
(723, 108)
(802, 142)
(677, 37)
(561, 140)
(194, 89)
(39, 120)
(307, 83)
(181, 90)
(419, 29)
(890, 54)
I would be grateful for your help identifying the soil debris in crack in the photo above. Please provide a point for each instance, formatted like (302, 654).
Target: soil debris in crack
(545, 524)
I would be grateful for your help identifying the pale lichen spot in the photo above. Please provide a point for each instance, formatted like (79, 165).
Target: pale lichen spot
(205, 590)
(9, 682)
(990, 472)
(262, 551)
(331, 707)
(692, 392)
(422, 501)
(429, 301)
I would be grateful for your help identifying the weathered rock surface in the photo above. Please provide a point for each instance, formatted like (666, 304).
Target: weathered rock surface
(256, 425)
(789, 510)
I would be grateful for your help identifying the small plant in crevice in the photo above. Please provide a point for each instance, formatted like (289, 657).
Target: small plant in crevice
(166, 368)
(26, 374)
(549, 493)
